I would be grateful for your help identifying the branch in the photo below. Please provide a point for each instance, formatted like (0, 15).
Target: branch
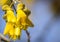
(3, 38)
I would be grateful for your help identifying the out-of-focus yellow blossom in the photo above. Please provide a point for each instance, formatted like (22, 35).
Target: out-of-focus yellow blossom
(29, 2)
(3, 2)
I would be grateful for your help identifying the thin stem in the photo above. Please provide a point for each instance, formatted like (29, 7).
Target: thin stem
(28, 35)
(12, 5)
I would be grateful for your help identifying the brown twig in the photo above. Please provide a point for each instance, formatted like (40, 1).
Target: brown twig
(28, 35)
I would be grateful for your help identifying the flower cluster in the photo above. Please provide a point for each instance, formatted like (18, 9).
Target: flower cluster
(15, 23)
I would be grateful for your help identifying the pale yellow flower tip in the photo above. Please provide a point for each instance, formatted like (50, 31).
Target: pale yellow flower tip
(6, 7)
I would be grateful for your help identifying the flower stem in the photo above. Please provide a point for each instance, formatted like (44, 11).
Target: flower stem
(28, 35)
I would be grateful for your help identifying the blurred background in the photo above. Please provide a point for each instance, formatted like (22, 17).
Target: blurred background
(46, 26)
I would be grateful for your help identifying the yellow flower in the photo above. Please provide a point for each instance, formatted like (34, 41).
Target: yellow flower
(21, 16)
(10, 17)
(11, 32)
(18, 32)
(8, 27)
(15, 24)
